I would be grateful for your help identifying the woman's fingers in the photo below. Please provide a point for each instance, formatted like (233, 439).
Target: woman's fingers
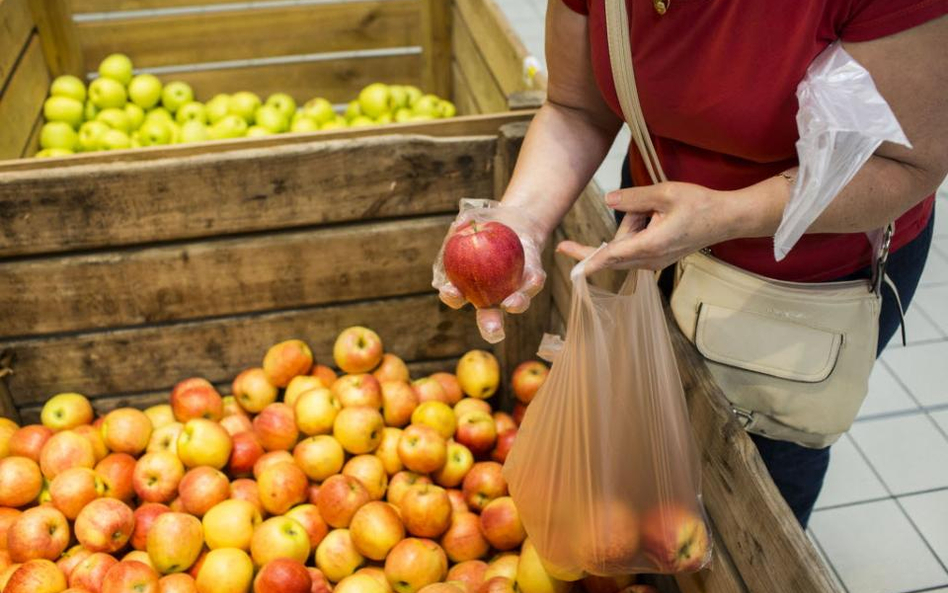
(451, 296)
(645, 199)
(491, 324)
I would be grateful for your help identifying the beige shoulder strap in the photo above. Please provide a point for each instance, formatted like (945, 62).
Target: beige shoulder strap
(620, 59)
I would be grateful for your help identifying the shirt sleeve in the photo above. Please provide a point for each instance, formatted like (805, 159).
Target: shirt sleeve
(579, 6)
(872, 19)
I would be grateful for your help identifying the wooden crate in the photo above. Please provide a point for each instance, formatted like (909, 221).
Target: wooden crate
(460, 49)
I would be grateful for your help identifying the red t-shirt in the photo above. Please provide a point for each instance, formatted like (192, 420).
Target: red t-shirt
(717, 82)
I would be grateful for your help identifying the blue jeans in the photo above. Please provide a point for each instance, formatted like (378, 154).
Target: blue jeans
(798, 471)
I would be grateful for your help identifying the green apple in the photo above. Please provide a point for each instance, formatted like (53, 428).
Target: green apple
(217, 108)
(58, 134)
(63, 109)
(68, 86)
(304, 124)
(334, 124)
(283, 103)
(89, 135)
(136, 139)
(175, 133)
(397, 97)
(116, 119)
(422, 117)
(414, 93)
(105, 93)
(258, 131)
(53, 152)
(447, 108)
(118, 67)
(192, 111)
(160, 114)
(271, 118)
(373, 99)
(353, 110)
(403, 115)
(90, 111)
(231, 126)
(136, 115)
(427, 105)
(361, 122)
(154, 132)
(193, 131)
(320, 110)
(115, 140)
(145, 90)
(385, 118)
(244, 104)
(175, 94)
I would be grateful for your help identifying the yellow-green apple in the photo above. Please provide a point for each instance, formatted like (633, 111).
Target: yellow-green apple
(436, 414)
(500, 524)
(449, 383)
(283, 575)
(140, 556)
(105, 93)
(469, 572)
(246, 489)
(58, 135)
(281, 487)
(476, 431)
(40, 532)
(114, 139)
(428, 106)
(401, 482)
(217, 108)
(89, 573)
(253, 390)
(326, 375)
(270, 119)
(340, 497)
(499, 585)
(308, 516)
(28, 441)
(178, 582)
(298, 385)
(230, 524)
(20, 481)
(399, 400)
(244, 453)
(357, 350)
(414, 563)
(315, 410)
(283, 103)
(527, 379)
(463, 540)
(320, 583)
(73, 489)
(279, 537)
(117, 67)
(145, 516)
(422, 449)
(232, 408)
(482, 484)
(286, 360)
(353, 110)
(156, 476)
(319, 457)
(130, 576)
(597, 584)
(204, 442)
(358, 430)
(191, 111)
(104, 525)
(275, 427)
(268, 459)
(374, 99)
(196, 401)
(174, 542)
(7, 517)
(458, 504)
(64, 450)
(458, 462)
(375, 529)
(429, 390)
(359, 583)
(160, 415)
(145, 90)
(201, 488)
(236, 423)
(470, 404)
(94, 436)
(66, 410)
(126, 430)
(361, 389)
(387, 451)
(72, 558)
(319, 109)
(155, 132)
(159, 114)
(302, 123)
(425, 510)
(244, 104)
(675, 538)
(392, 368)
(116, 119)
(175, 95)
(448, 109)
(532, 576)
(478, 374)
(337, 556)
(368, 469)
(117, 471)
(36, 576)
(90, 135)
(504, 444)
(70, 86)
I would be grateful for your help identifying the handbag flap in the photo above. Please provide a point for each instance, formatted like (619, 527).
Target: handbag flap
(773, 346)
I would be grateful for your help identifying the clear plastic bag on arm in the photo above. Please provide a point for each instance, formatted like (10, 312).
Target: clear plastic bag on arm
(842, 120)
(604, 470)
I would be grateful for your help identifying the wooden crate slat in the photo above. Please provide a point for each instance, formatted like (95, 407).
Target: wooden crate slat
(219, 277)
(255, 32)
(477, 72)
(240, 191)
(16, 25)
(496, 41)
(32, 143)
(155, 358)
(84, 6)
(436, 32)
(464, 99)
(22, 100)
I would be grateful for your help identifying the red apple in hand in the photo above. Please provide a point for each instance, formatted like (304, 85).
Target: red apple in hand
(485, 262)
(675, 538)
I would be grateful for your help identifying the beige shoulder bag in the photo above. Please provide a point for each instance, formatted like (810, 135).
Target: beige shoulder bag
(793, 359)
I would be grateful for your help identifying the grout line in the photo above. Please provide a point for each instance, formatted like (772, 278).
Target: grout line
(921, 310)
(829, 563)
(887, 415)
(856, 503)
(928, 545)
(938, 427)
(927, 589)
(900, 382)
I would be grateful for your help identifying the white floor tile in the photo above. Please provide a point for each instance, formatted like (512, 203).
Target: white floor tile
(875, 549)
(941, 217)
(908, 452)
(936, 269)
(849, 478)
(918, 327)
(922, 369)
(934, 301)
(829, 567)
(929, 512)
(885, 394)
(941, 419)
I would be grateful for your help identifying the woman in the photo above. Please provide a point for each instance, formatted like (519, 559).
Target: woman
(717, 81)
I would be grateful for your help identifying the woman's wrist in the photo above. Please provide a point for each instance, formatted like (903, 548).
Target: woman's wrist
(756, 211)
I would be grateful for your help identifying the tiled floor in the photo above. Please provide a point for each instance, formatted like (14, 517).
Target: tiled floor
(882, 519)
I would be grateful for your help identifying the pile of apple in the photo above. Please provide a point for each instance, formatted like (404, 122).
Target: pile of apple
(301, 481)
(120, 110)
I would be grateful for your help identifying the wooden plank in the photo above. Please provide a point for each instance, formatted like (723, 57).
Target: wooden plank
(22, 100)
(490, 97)
(464, 99)
(16, 25)
(58, 34)
(436, 35)
(468, 125)
(591, 222)
(84, 6)
(154, 358)
(32, 143)
(219, 277)
(255, 32)
(7, 407)
(497, 42)
(240, 191)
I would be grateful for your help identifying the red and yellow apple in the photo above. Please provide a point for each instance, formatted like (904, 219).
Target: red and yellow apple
(340, 497)
(28, 441)
(360, 389)
(230, 524)
(358, 430)
(527, 379)
(387, 451)
(532, 576)
(399, 400)
(478, 374)
(73, 489)
(225, 570)
(126, 430)
(130, 576)
(438, 415)
(65, 450)
(425, 510)
(452, 389)
(282, 486)
(422, 449)
(675, 538)
(308, 516)
(392, 368)
(160, 415)
(165, 438)
(246, 489)
(196, 398)
(357, 350)
(64, 411)
(500, 524)
(89, 573)
(458, 463)
(375, 529)
(463, 540)
(337, 556)
(483, 483)
(157, 476)
(315, 411)
(40, 532)
(469, 572)
(283, 575)
(484, 260)
(401, 482)
(179, 582)
(414, 563)
(326, 375)
(204, 442)
(279, 537)
(275, 427)
(244, 453)
(144, 517)
(201, 488)
(35, 576)
(286, 360)
(175, 541)
(319, 457)
(117, 471)
(470, 404)
(20, 481)
(105, 525)
(253, 391)
(370, 471)
(299, 385)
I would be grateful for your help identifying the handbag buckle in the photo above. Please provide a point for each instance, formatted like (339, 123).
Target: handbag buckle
(745, 417)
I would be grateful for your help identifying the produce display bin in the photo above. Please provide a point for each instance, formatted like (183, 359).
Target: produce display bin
(459, 49)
